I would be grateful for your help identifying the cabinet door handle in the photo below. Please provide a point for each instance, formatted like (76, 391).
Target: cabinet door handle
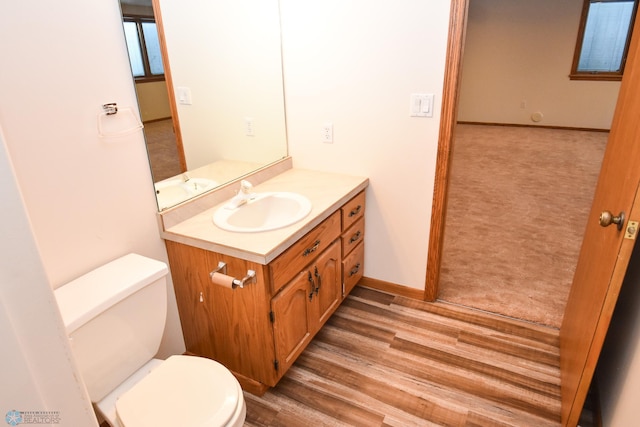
(355, 237)
(355, 211)
(312, 249)
(313, 286)
(319, 279)
(354, 270)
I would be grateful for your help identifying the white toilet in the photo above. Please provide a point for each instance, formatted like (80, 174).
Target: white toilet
(115, 318)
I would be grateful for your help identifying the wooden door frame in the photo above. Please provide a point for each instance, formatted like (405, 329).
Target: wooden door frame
(449, 113)
(173, 105)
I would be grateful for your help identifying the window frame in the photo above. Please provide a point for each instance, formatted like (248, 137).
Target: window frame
(139, 20)
(599, 75)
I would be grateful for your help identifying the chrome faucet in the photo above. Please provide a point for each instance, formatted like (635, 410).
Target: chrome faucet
(243, 196)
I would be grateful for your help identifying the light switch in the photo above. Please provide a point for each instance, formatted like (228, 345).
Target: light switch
(421, 105)
(184, 95)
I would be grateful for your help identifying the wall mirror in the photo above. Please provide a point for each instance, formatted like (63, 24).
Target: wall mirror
(219, 114)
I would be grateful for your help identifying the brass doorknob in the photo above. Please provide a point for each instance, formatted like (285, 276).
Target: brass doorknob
(607, 218)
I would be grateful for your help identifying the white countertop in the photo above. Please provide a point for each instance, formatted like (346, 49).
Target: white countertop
(326, 191)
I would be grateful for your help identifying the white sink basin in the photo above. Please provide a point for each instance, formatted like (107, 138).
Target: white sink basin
(267, 211)
(172, 191)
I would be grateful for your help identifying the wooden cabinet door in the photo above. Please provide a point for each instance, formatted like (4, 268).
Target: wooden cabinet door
(292, 328)
(305, 304)
(327, 276)
(192, 295)
(228, 325)
(353, 269)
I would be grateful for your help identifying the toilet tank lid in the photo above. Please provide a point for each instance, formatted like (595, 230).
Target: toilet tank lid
(89, 295)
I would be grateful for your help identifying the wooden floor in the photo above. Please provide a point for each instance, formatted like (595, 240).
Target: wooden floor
(385, 360)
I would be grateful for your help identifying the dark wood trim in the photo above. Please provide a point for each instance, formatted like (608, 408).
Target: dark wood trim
(578, 48)
(598, 76)
(146, 64)
(391, 288)
(533, 126)
(603, 77)
(149, 79)
(452, 78)
(157, 120)
(138, 15)
(251, 386)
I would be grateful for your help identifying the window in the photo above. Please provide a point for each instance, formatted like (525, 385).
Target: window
(144, 48)
(603, 39)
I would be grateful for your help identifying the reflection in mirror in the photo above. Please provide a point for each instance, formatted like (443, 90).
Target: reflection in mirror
(220, 113)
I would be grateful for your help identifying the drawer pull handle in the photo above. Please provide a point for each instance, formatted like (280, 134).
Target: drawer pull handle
(311, 249)
(313, 286)
(354, 270)
(355, 211)
(319, 282)
(355, 237)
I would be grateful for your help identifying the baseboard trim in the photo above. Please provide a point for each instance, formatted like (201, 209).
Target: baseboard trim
(532, 126)
(392, 288)
(160, 119)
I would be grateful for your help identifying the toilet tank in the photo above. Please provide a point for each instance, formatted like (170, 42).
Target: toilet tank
(114, 317)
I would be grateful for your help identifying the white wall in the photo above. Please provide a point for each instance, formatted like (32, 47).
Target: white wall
(153, 100)
(36, 370)
(89, 200)
(522, 51)
(228, 54)
(355, 64)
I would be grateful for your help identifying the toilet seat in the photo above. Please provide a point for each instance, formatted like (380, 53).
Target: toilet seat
(183, 391)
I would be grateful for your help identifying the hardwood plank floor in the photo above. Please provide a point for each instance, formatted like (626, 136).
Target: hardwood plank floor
(385, 360)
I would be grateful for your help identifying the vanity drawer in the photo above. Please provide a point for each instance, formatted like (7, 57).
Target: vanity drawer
(304, 251)
(352, 211)
(353, 236)
(353, 268)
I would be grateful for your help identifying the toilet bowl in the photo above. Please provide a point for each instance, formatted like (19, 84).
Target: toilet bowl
(183, 391)
(114, 317)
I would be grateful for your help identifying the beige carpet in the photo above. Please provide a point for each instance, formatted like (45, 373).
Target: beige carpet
(518, 204)
(162, 150)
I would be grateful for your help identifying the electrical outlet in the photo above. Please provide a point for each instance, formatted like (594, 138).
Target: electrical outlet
(248, 126)
(327, 133)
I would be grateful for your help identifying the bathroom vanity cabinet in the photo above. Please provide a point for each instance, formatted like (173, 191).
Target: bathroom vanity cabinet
(259, 330)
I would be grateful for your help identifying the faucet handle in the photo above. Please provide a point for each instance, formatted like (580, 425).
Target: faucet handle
(245, 186)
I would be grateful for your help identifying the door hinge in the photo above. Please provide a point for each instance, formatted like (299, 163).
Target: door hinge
(276, 364)
(632, 230)
(272, 316)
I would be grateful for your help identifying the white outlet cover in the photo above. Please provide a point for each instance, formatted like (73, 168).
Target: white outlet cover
(327, 133)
